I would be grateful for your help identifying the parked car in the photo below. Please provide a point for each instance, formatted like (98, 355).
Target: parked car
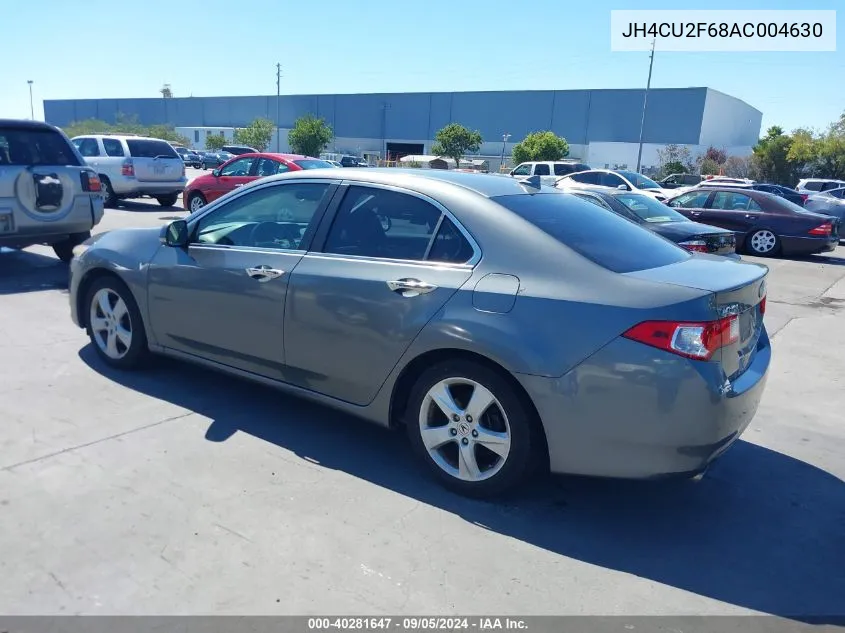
(614, 179)
(237, 150)
(241, 170)
(134, 166)
(334, 163)
(784, 192)
(508, 328)
(548, 170)
(673, 181)
(48, 195)
(765, 224)
(190, 157)
(818, 185)
(657, 217)
(353, 161)
(215, 158)
(830, 202)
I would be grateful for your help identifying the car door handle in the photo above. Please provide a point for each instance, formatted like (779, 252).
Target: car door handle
(410, 287)
(264, 273)
(750, 217)
(239, 185)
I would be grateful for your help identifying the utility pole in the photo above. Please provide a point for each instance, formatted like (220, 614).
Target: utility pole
(278, 99)
(384, 108)
(505, 138)
(31, 108)
(645, 103)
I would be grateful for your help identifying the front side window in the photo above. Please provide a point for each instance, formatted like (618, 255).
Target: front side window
(691, 200)
(238, 167)
(271, 217)
(381, 223)
(727, 201)
(113, 147)
(87, 147)
(522, 170)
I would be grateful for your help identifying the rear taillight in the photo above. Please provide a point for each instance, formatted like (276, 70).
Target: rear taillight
(90, 181)
(822, 229)
(804, 198)
(763, 306)
(698, 341)
(128, 168)
(696, 246)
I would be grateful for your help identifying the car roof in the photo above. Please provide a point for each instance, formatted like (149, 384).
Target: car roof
(26, 124)
(276, 155)
(487, 185)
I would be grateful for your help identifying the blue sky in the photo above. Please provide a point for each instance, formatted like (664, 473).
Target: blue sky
(103, 48)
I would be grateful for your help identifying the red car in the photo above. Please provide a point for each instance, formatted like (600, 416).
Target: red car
(240, 170)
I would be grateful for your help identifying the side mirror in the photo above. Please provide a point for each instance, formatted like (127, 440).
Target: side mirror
(175, 234)
(216, 173)
(623, 187)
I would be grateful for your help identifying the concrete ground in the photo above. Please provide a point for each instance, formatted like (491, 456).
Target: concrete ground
(180, 491)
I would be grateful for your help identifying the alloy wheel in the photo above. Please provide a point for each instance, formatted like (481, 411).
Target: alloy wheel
(196, 203)
(110, 323)
(465, 429)
(763, 241)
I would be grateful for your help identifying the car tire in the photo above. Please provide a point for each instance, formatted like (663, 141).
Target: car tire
(456, 449)
(168, 201)
(109, 196)
(203, 166)
(114, 324)
(762, 243)
(196, 201)
(64, 249)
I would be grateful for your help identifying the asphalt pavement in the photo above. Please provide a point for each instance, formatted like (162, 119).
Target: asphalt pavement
(180, 491)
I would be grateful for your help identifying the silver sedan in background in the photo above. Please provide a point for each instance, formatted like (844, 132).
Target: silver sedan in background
(831, 202)
(507, 326)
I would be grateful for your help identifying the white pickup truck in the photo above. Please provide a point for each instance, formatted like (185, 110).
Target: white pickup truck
(548, 170)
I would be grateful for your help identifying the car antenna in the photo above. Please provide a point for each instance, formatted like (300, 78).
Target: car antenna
(532, 181)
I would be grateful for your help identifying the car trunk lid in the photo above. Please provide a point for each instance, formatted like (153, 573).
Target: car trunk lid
(155, 160)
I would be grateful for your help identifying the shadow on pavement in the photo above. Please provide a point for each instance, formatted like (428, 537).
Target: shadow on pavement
(147, 206)
(25, 271)
(762, 530)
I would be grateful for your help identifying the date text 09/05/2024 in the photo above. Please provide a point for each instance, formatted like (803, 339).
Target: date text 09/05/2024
(724, 29)
(416, 623)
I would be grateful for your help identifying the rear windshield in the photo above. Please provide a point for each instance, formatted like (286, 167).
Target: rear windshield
(312, 163)
(649, 209)
(600, 235)
(146, 148)
(35, 147)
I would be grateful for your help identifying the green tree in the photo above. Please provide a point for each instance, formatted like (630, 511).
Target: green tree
(772, 153)
(88, 126)
(309, 136)
(125, 124)
(455, 141)
(214, 142)
(257, 134)
(674, 159)
(709, 167)
(544, 145)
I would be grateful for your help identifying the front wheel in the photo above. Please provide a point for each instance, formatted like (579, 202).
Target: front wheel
(168, 201)
(763, 243)
(114, 324)
(109, 196)
(196, 201)
(472, 429)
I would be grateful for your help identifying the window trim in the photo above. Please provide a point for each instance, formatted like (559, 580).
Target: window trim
(321, 236)
(307, 239)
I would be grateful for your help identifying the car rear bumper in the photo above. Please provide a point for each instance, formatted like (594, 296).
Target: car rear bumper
(635, 412)
(86, 212)
(126, 186)
(808, 245)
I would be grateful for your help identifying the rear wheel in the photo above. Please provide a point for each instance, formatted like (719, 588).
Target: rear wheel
(114, 324)
(109, 196)
(196, 201)
(168, 201)
(64, 249)
(763, 243)
(472, 429)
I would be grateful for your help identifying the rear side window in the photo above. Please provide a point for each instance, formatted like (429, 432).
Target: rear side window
(813, 186)
(150, 148)
(541, 170)
(113, 147)
(35, 147)
(589, 178)
(312, 163)
(593, 232)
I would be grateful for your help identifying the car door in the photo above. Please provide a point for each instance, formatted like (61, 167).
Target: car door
(234, 174)
(223, 297)
(692, 204)
(357, 302)
(735, 211)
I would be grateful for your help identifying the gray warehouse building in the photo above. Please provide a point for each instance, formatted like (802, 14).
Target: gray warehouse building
(601, 126)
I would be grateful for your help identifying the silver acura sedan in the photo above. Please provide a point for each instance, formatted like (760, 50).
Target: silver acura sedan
(508, 327)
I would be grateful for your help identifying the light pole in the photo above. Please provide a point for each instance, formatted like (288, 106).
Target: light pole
(31, 107)
(645, 103)
(278, 99)
(505, 138)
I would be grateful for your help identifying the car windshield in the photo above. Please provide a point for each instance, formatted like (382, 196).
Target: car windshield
(35, 147)
(638, 180)
(594, 232)
(650, 209)
(312, 163)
